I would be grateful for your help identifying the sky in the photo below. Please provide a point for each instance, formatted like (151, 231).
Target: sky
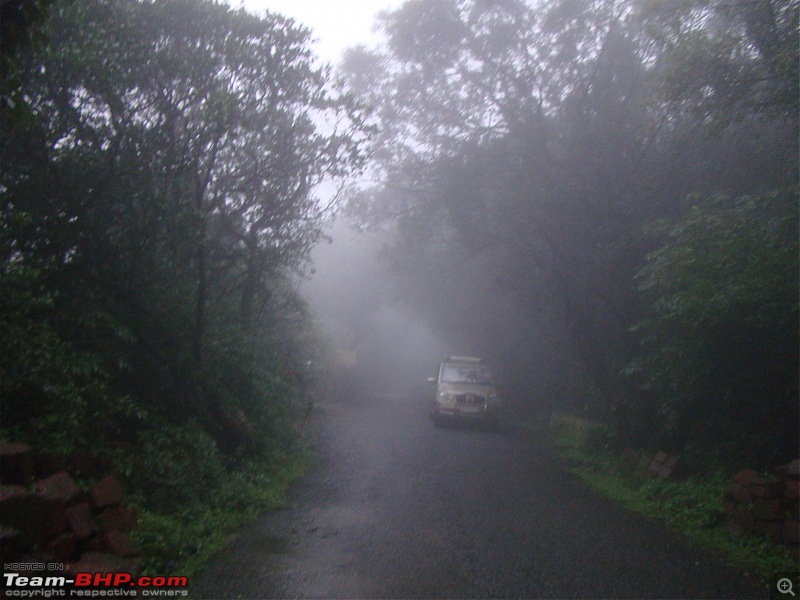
(336, 25)
(348, 268)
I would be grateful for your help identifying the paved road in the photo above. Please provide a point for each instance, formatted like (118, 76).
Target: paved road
(396, 508)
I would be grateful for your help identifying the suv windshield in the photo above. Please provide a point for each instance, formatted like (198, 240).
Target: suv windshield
(466, 374)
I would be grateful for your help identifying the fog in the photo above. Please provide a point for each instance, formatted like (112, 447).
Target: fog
(353, 295)
(574, 192)
(598, 198)
(393, 327)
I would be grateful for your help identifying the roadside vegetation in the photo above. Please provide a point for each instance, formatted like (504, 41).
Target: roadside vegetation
(159, 161)
(691, 507)
(620, 179)
(600, 196)
(183, 540)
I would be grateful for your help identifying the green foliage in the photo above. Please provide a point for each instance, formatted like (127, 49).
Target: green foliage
(720, 347)
(535, 145)
(54, 393)
(157, 205)
(157, 209)
(571, 432)
(726, 60)
(23, 22)
(174, 466)
(692, 507)
(183, 537)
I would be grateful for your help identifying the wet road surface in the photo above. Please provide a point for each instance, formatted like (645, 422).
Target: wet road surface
(397, 508)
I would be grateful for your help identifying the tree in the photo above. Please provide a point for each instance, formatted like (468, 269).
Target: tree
(725, 60)
(546, 140)
(497, 130)
(721, 341)
(161, 195)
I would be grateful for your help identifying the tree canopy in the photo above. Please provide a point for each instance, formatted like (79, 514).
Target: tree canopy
(538, 143)
(158, 201)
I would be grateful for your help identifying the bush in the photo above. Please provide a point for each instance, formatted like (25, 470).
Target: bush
(174, 466)
(691, 507)
(720, 346)
(181, 536)
(54, 392)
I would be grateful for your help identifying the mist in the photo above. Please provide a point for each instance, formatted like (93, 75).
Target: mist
(394, 327)
(354, 296)
(599, 199)
(540, 202)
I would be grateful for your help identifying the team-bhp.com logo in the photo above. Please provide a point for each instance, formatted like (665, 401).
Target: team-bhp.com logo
(93, 585)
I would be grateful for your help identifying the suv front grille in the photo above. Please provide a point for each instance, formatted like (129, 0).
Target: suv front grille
(470, 399)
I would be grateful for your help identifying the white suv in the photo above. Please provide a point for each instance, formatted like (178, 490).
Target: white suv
(465, 390)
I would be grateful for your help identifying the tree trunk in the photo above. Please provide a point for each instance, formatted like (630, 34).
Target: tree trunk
(251, 277)
(202, 281)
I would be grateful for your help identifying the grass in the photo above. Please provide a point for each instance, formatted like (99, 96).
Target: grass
(182, 542)
(691, 507)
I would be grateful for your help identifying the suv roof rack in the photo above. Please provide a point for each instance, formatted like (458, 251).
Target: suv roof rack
(472, 359)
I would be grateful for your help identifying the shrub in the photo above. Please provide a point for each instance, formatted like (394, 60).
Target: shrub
(720, 345)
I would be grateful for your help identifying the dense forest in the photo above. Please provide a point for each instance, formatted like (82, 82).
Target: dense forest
(159, 162)
(624, 173)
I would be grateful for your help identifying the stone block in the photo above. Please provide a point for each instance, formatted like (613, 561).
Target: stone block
(117, 518)
(9, 493)
(769, 509)
(16, 464)
(114, 542)
(660, 458)
(105, 562)
(792, 490)
(33, 515)
(767, 487)
(9, 544)
(62, 547)
(740, 493)
(745, 476)
(773, 531)
(58, 487)
(790, 470)
(56, 520)
(107, 492)
(81, 521)
(791, 531)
